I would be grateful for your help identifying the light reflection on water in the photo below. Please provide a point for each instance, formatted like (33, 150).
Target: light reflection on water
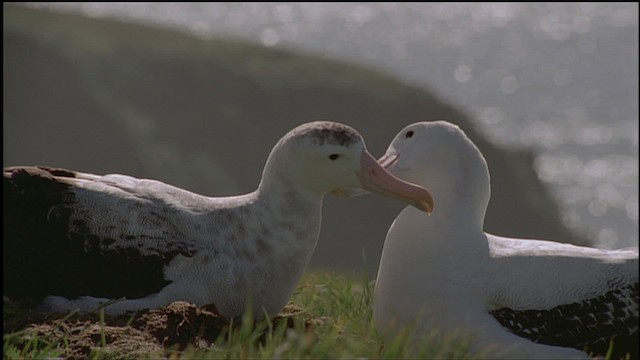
(558, 78)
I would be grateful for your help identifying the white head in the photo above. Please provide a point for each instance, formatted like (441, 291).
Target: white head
(439, 155)
(325, 156)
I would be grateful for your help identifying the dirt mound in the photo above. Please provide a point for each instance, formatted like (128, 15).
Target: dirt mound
(148, 334)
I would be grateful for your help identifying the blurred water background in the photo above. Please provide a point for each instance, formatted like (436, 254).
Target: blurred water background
(560, 79)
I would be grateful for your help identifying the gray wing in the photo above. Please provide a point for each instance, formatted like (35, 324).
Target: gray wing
(72, 234)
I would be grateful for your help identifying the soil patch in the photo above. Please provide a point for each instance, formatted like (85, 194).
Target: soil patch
(149, 334)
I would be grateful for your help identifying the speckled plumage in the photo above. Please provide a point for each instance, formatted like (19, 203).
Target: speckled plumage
(588, 324)
(78, 239)
(521, 298)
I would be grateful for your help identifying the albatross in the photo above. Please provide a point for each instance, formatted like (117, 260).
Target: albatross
(74, 240)
(524, 298)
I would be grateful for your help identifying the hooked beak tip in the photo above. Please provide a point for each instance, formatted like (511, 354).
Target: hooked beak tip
(425, 203)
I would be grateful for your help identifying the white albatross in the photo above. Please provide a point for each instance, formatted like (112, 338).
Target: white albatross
(523, 298)
(77, 240)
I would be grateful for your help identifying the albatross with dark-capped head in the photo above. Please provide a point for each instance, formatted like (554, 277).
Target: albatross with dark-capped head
(76, 240)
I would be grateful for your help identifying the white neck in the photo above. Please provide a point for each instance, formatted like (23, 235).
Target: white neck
(461, 192)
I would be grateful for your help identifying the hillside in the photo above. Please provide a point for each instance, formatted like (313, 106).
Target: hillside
(103, 96)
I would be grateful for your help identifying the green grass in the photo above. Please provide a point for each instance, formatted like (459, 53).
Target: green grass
(29, 348)
(339, 310)
(332, 319)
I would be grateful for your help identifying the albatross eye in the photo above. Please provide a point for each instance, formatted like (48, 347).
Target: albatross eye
(408, 134)
(334, 156)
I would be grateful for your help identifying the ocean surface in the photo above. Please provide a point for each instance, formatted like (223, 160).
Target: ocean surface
(559, 79)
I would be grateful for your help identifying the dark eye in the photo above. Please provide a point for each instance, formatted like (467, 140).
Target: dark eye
(408, 134)
(334, 156)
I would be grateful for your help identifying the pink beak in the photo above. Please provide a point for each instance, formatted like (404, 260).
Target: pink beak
(377, 179)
